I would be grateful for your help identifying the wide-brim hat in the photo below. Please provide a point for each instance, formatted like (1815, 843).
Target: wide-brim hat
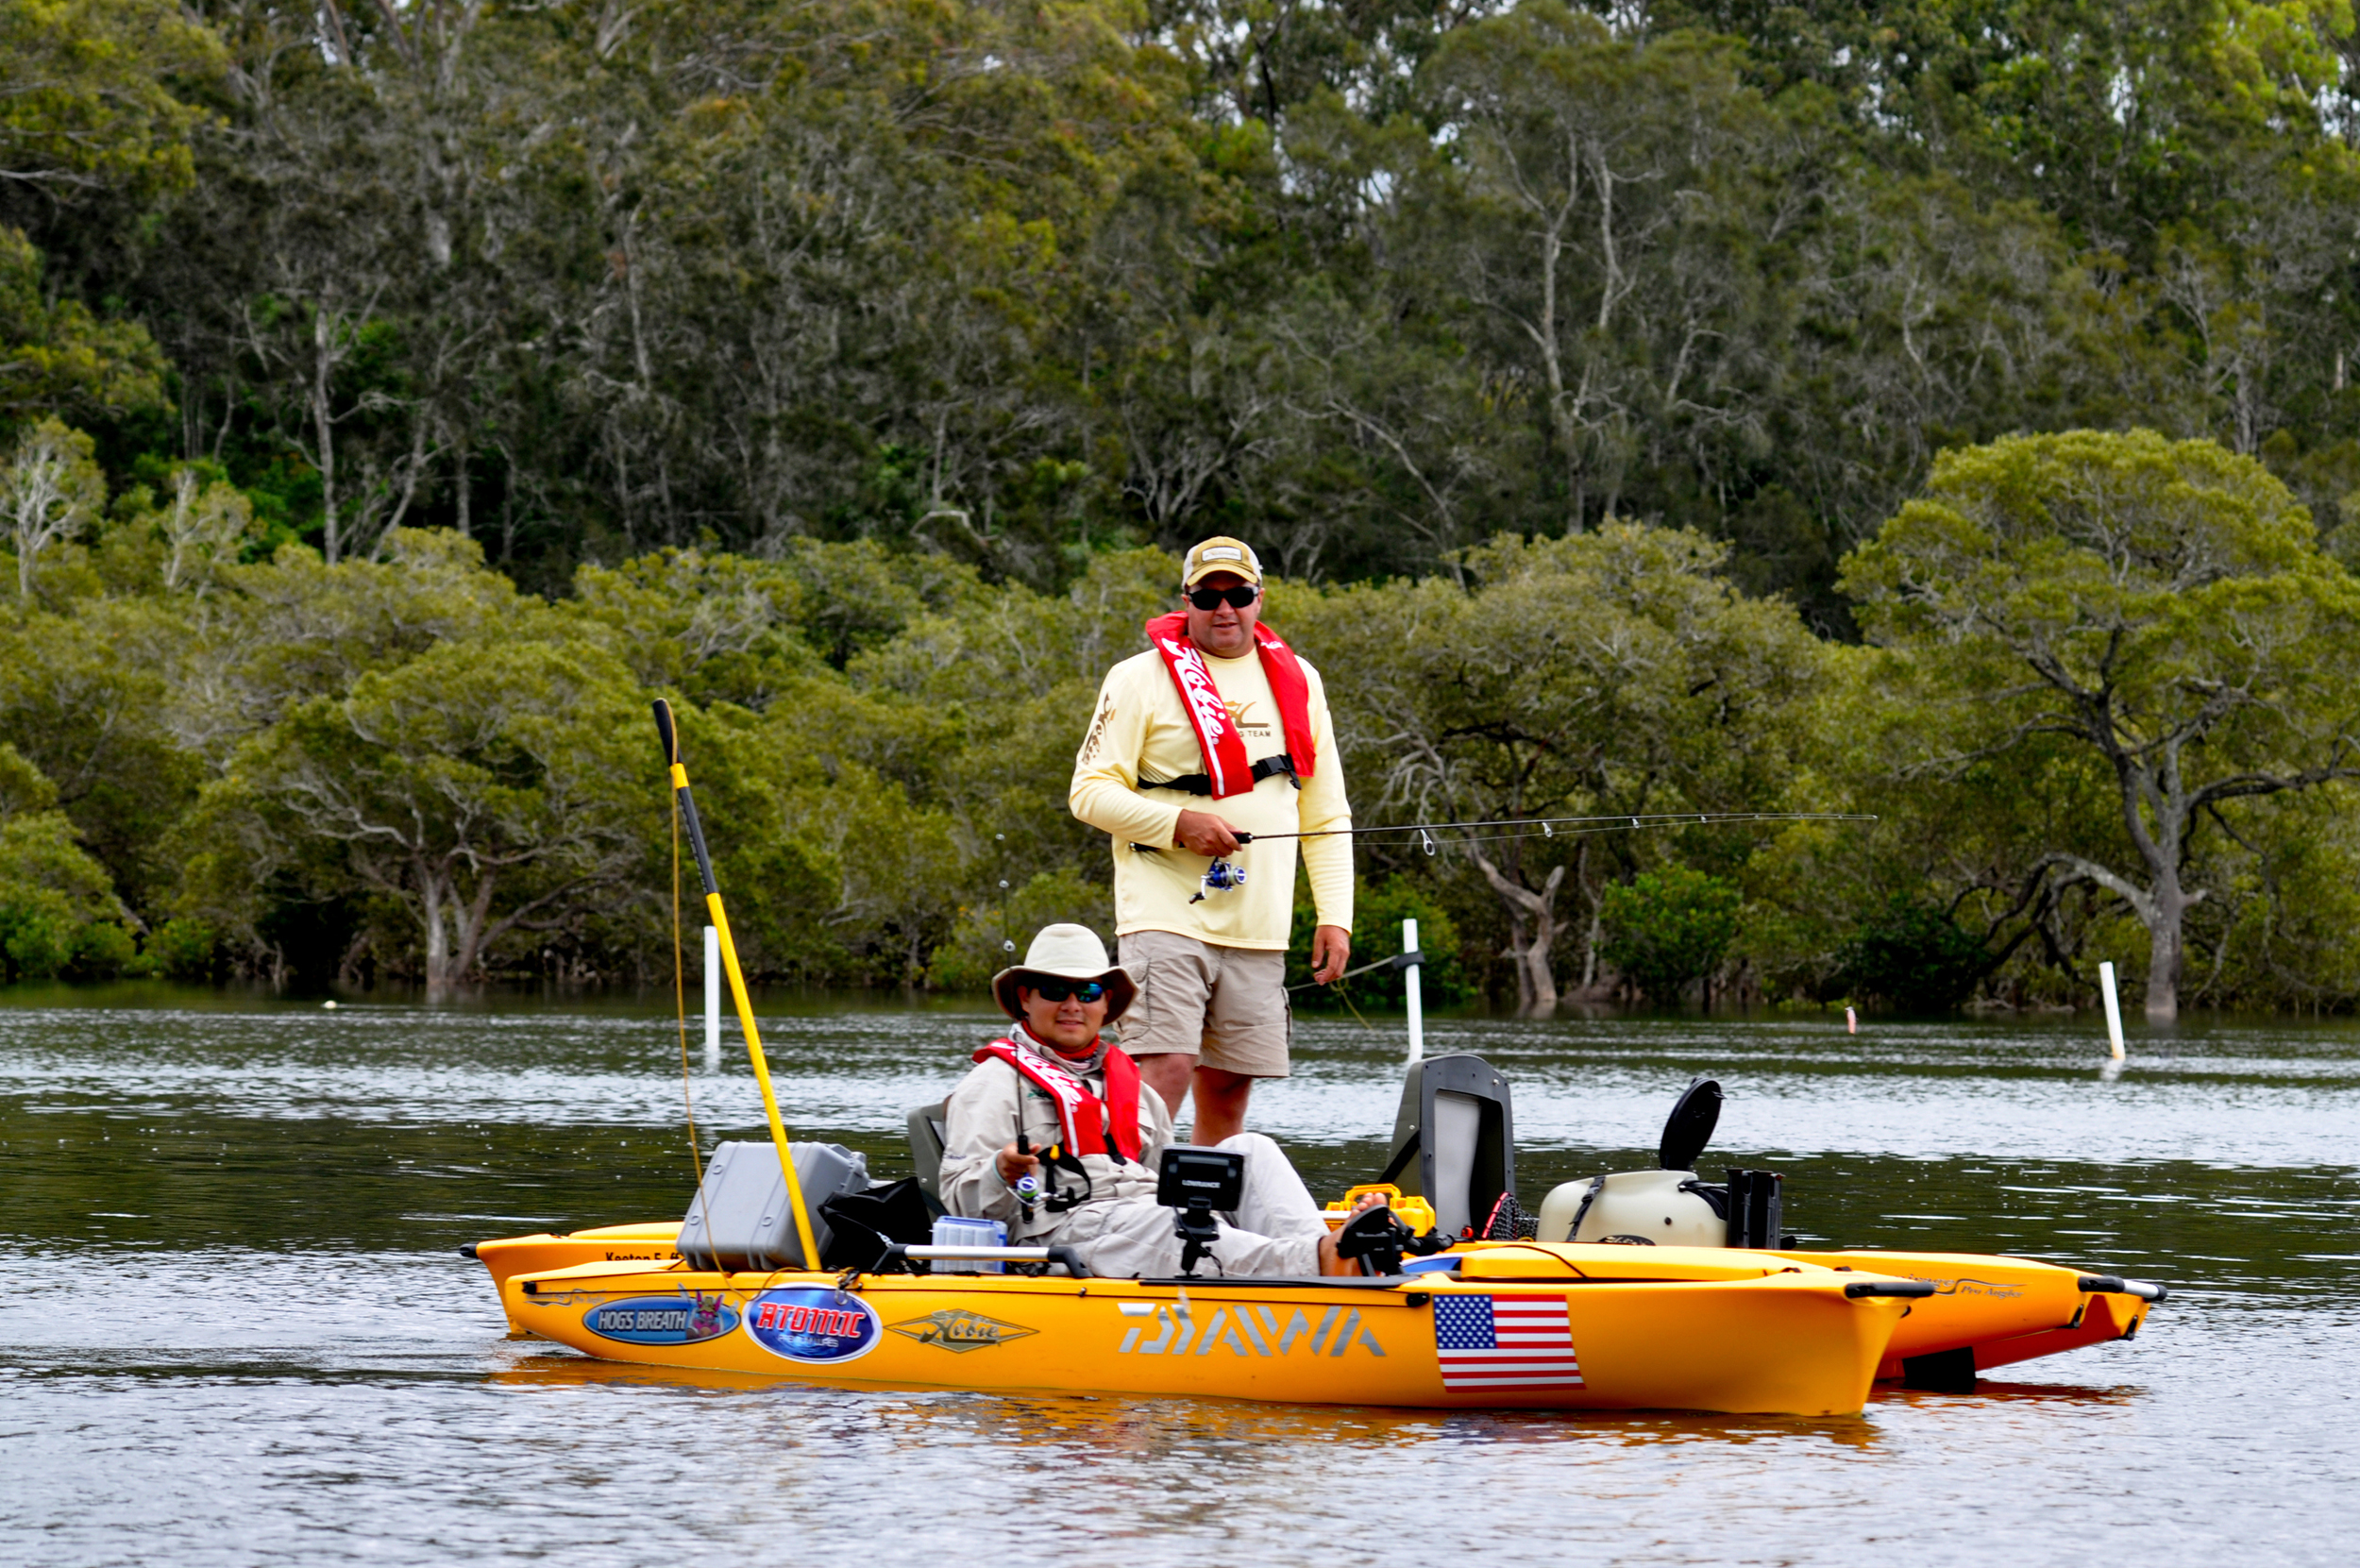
(1067, 952)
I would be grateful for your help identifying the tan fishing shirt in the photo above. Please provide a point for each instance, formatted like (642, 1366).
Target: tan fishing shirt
(1140, 730)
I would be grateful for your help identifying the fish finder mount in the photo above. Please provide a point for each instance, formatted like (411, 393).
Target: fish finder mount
(1196, 1181)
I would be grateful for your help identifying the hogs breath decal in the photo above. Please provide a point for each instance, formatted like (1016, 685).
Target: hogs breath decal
(661, 1320)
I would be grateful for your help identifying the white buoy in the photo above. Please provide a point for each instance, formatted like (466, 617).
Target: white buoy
(713, 999)
(2114, 1007)
(330, 1004)
(1409, 989)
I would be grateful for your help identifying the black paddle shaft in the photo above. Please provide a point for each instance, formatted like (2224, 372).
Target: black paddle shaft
(671, 737)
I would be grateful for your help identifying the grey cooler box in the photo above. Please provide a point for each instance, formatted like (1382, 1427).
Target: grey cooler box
(741, 1219)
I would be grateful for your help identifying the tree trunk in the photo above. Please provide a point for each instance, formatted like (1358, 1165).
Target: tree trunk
(474, 917)
(431, 899)
(1536, 984)
(2164, 953)
(324, 425)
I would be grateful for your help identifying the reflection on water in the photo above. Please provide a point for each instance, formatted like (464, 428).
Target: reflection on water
(234, 1319)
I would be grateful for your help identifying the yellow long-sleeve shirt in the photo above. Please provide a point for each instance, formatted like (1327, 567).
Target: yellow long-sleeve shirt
(1140, 730)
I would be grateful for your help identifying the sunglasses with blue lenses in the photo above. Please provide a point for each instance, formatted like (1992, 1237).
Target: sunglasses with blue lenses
(1213, 599)
(1083, 991)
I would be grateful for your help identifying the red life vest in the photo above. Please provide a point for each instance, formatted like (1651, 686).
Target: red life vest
(1090, 1122)
(1216, 737)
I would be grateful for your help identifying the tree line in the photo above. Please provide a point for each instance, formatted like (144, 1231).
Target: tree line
(2108, 706)
(1648, 407)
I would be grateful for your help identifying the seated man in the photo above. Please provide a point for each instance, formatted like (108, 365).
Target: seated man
(1054, 1078)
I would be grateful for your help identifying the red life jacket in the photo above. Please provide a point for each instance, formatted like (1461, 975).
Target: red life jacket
(1216, 737)
(1090, 1122)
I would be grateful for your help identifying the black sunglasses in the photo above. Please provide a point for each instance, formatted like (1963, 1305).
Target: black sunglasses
(1083, 991)
(1213, 599)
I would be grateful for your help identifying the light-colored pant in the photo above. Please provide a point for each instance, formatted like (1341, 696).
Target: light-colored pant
(1275, 1231)
(1227, 1005)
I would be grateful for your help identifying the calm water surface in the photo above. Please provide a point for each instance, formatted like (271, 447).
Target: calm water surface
(232, 1321)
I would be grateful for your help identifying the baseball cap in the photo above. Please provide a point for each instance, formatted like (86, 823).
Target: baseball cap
(1219, 554)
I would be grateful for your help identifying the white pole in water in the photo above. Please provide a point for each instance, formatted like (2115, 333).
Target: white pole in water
(2114, 1007)
(1410, 986)
(713, 999)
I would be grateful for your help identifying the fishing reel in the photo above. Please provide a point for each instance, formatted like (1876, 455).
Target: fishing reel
(1220, 876)
(1030, 1192)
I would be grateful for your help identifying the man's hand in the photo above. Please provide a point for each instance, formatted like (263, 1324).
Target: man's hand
(1013, 1167)
(1201, 833)
(1331, 949)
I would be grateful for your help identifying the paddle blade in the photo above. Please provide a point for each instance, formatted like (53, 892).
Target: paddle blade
(1689, 1128)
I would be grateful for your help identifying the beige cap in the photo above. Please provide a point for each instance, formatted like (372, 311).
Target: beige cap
(1219, 554)
(1069, 952)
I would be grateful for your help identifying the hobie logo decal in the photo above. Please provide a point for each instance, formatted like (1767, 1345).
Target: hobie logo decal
(1997, 1292)
(811, 1324)
(1251, 1328)
(661, 1320)
(957, 1330)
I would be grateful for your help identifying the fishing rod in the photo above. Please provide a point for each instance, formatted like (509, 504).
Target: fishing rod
(1223, 874)
(1577, 826)
(687, 801)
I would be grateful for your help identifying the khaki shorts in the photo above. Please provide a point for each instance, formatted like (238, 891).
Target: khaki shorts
(1227, 1005)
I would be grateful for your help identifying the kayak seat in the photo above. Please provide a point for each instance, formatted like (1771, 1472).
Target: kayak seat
(929, 1128)
(1454, 1139)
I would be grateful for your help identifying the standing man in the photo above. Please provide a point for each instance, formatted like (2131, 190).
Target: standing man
(1217, 730)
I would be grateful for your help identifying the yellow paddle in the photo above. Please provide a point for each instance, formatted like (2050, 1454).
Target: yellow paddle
(671, 737)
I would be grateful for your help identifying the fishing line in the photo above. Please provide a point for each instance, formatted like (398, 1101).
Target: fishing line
(1345, 997)
(1380, 963)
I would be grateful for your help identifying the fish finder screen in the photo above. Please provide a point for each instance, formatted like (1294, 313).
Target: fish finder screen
(1201, 1178)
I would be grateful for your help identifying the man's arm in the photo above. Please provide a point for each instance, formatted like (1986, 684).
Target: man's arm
(1105, 792)
(978, 1120)
(1326, 861)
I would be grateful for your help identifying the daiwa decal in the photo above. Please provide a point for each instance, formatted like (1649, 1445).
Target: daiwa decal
(957, 1330)
(814, 1324)
(1253, 1329)
(661, 1320)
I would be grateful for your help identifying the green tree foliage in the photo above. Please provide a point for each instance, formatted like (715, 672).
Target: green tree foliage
(847, 371)
(1378, 912)
(2156, 612)
(1610, 673)
(993, 934)
(1668, 929)
(481, 788)
(1914, 956)
(56, 357)
(1374, 284)
(58, 915)
(87, 97)
(50, 493)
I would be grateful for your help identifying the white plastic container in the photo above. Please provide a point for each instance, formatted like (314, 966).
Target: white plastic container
(952, 1231)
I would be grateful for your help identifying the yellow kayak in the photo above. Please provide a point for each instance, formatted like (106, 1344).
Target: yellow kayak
(1984, 1312)
(1511, 1325)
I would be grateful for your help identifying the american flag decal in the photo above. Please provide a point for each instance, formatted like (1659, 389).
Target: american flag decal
(1504, 1343)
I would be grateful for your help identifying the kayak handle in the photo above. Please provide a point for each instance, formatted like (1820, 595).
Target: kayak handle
(1854, 1289)
(899, 1257)
(2115, 1286)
